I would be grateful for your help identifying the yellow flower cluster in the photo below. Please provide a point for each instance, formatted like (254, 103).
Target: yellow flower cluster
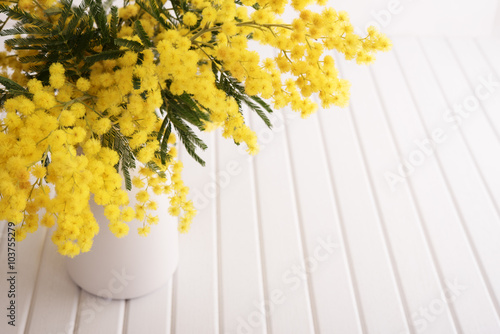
(302, 65)
(59, 144)
(64, 123)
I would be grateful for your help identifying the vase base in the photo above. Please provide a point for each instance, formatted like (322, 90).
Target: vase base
(120, 284)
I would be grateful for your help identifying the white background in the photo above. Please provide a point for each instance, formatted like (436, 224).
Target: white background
(426, 17)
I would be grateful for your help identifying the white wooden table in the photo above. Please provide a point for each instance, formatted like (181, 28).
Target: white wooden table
(320, 233)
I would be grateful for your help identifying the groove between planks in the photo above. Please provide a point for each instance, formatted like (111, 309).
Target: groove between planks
(486, 281)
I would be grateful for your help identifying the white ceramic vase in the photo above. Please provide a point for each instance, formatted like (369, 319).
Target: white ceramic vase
(132, 266)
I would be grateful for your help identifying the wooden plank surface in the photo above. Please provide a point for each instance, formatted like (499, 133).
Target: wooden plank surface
(99, 315)
(417, 273)
(444, 218)
(477, 70)
(53, 292)
(142, 317)
(195, 306)
(479, 132)
(373, 270)
(282, 244)
(27, 263)
(470, 190)
(241, 282)
(327, 260)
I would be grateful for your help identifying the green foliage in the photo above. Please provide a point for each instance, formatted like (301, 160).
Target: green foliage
(105, 55)
(117, 142)
(83, 36)
(142, 34)
(23, 17)
(235, 89)
(113, 25)
(11, 89)
(152, 8)
(181, 111)
(132, 45)
(163, 138)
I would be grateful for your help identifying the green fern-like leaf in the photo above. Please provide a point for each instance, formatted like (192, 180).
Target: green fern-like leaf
(98, 13)
(34, 43)
(23, 16)
(164, 156)
(132, 45)
(114, 22)
(13, 87)
(152, 9)
(105, 55)
(33, 59)
(23, 30)
(235, 89)
(139, 29)
(188, 138)
(155, 168)
(136, 82)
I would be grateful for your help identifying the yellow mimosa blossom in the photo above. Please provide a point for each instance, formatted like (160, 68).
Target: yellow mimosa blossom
(74, 128)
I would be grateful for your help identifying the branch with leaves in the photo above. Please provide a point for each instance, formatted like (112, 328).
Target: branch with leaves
(95, 95)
